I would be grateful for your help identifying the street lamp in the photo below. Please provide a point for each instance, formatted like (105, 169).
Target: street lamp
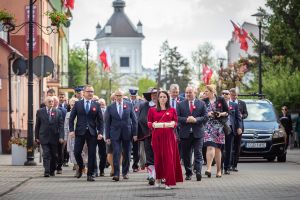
(10, 28)
(259, 17)
(87, 46)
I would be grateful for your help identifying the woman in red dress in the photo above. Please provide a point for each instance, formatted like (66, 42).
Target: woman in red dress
(162, 120)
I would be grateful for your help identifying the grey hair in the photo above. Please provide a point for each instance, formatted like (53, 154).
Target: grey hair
(174, 86)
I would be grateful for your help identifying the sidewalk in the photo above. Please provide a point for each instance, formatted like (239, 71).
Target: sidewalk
(11, 177)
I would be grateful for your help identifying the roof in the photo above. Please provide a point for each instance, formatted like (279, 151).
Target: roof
(121, 26)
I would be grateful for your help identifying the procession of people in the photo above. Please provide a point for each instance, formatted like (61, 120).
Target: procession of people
(163, 130)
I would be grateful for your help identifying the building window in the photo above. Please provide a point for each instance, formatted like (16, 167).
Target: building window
(124, 61)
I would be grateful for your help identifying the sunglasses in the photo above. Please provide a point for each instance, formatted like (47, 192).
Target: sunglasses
(225, 93)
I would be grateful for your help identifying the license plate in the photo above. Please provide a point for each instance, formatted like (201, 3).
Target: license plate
(256, 145)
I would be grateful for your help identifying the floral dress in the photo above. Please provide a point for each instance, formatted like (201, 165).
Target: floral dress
(213, 132)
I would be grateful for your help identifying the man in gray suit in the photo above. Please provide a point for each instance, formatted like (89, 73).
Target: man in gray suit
(49, 132)
(120, 129)
(192, 116)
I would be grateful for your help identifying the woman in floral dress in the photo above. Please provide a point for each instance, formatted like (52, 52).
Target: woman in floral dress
(214, 138)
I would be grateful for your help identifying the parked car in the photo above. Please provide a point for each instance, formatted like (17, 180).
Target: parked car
(263, 135)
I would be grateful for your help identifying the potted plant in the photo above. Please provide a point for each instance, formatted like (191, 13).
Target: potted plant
(6, 17)
(19, 150)
(57, 18)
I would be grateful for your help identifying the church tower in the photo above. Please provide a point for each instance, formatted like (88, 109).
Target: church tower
(124, 41)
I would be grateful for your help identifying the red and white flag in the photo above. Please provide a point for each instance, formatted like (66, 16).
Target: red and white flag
(242, 35)
(207, 73)
(105, 58)
(69, 4)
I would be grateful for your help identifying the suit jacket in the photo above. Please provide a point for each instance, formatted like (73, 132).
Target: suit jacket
(234, 117)
(49, 129)
(143, 130)
(117, 127)
(199, 112)
(93, 120)
(243, 111)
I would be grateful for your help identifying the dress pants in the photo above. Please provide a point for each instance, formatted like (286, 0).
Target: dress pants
(60, 156)
(148, 151)
(102, 155)
(187, 146)
(49, 157)
(135, 151)
(228, 151)
(236, 150)
(118, 146)
(91, 141)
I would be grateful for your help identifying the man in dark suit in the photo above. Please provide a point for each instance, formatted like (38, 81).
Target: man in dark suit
(192, 116)
(49, 132)
(144, 134)
(120, 129)
(175, 99)
(89, 128)
(238, 137)
(234, 124)
(135, 144)
(61, 147)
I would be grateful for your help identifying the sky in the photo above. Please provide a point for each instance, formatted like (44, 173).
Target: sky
(184, 23)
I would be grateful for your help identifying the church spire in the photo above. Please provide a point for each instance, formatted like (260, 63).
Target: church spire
(119, 5)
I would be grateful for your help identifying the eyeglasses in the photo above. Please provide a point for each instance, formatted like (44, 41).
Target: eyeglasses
(225, 93)
(89, 91)
(118, 95)
(283, 109)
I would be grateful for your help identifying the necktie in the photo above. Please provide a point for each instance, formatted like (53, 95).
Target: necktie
(87, 107)
(120, 110)
(49, 114)
(191, 106)
(173, 103)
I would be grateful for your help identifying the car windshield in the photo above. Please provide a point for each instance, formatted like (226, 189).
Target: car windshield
(260, 112)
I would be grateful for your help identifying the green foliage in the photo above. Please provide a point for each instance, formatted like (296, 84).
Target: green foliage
(144, 84)
(284, 30)
(174, 68)
(203, 54)
(280, 83)
(77, 67)
(57, 18)
(5, 15)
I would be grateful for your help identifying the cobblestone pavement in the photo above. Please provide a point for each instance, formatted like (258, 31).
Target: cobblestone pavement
(256, 179)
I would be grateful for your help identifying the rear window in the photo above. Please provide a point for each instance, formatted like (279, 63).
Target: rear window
(260, 112)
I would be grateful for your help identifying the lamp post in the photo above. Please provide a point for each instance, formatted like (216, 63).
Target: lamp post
(87, 46)
(10, 28)
(259, 17)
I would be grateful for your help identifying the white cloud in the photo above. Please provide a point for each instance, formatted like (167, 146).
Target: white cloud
(184, 23)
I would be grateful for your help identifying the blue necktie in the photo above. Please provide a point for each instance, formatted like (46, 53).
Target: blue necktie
(120, 110)
(87, 107)
(173, 103)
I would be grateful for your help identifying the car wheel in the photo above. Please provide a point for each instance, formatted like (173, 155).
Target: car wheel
(281, 158)
(271, 159)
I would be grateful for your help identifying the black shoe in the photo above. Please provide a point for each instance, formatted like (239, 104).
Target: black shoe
(101, 173)
(208, 174)
(65, 165)
(116, 178)
(46, 175)
(188, 178)
(226, 172)
(59, 171)
(135, 169)
(52, 174)
(235, 169)
(218, 176)
(125, 176)
(78, 173)
(151, 181)
(198, 176)
(90, 178)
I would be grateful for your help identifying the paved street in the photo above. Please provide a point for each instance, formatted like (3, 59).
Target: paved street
(257, 179)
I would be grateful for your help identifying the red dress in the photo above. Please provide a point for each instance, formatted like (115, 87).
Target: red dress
(165, 147)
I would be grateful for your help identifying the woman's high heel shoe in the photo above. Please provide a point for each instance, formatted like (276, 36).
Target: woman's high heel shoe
(208, 174)
(218, 176)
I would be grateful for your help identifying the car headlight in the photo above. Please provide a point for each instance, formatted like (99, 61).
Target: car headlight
(278, 133)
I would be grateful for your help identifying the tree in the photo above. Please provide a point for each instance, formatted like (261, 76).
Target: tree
(77, 67)
(284, 30)
(203, 54)
(144, 84)
(174, 68)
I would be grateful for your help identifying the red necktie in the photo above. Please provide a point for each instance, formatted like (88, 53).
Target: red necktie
(191, 106)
